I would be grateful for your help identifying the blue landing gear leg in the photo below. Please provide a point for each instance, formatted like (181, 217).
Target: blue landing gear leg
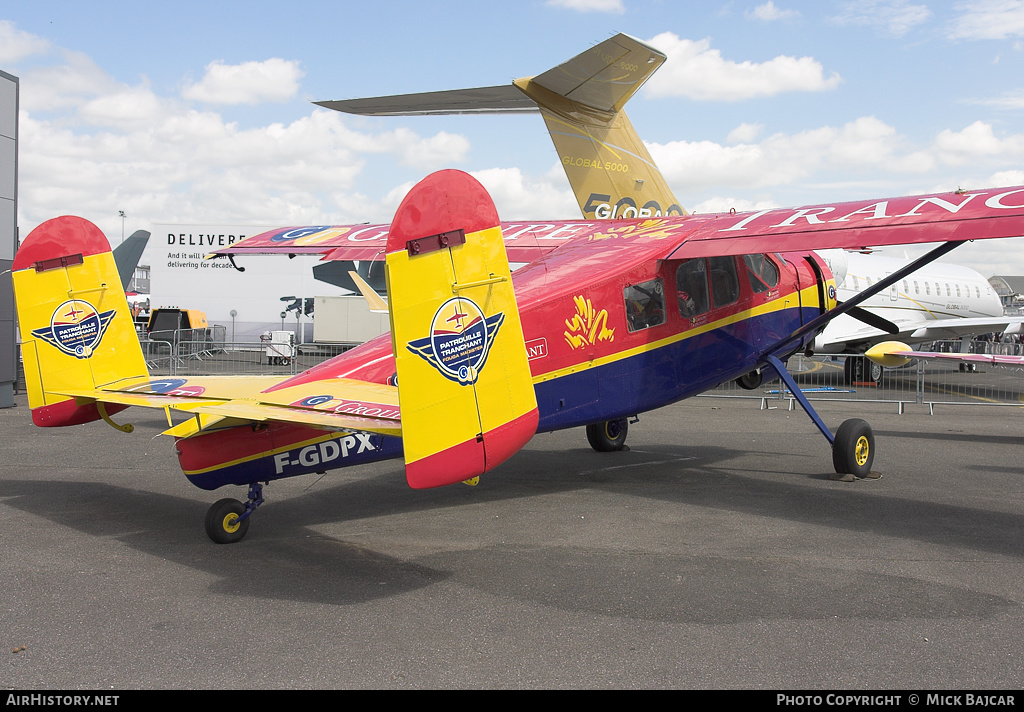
(853, 445)
(227, 520)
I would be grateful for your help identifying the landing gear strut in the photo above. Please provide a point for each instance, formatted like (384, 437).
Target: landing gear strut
(853, 445)
(608, 436)
(227, 520)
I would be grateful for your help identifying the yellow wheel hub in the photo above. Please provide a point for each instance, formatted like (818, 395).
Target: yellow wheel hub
(231, 523)
(861, 451)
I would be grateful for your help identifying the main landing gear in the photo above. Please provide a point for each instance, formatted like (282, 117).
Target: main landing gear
(861, 369)
(853, 445)
(608, 436)
(227, 520)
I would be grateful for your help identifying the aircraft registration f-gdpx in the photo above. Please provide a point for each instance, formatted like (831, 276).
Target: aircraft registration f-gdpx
(607, 320)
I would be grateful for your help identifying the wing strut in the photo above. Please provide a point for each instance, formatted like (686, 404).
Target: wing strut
(853, 444)
(815, 325)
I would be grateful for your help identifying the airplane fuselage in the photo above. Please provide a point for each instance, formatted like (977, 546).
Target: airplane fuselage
(609, 333)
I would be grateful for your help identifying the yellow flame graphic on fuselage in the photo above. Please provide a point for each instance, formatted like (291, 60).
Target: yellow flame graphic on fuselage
(587, 326)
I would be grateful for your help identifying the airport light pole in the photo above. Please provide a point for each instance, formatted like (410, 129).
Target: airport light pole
(122, 216)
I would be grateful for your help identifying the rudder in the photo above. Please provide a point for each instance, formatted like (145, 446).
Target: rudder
(464, 382)
(77, 331)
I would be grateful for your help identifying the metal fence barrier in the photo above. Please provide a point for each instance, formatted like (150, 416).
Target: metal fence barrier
(212, 357)
(922, 382)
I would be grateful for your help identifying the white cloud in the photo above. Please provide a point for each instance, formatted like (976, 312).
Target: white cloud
(272, 80)
(696, 71)
(519, 197)
(439, 150)
(744, 133)
(17, 44)
(613, 6)
(894, 18)
(863, 158)
(1009, 100)
(977, 143)
(768, 12)
(91, 146)
(988, 20)
(65, 85)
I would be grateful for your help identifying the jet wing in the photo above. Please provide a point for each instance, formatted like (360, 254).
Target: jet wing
(846, 330)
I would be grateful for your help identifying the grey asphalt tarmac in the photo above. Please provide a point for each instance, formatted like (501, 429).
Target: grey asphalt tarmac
(715, 553)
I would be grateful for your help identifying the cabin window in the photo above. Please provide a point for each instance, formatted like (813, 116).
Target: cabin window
(927, 288)
(645, 304)
(725, 283)
(761, 272)
(692, 288)
(917, 287)
(906, 287)
(958, 290)
(977, 292)
(949, 292)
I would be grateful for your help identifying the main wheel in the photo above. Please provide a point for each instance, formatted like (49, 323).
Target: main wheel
(750, 381)
(608, 436)
(222, 521)
(854, 448)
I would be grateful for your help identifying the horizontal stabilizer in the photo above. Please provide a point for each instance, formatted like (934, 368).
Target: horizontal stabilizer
(582, 100)
(482, 100)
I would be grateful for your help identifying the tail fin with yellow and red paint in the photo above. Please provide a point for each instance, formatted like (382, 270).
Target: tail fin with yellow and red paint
(464, 383)
(77, 331)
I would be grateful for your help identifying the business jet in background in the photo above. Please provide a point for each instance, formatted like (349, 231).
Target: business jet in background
(940, 301)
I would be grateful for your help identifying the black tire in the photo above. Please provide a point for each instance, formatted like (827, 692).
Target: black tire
(854, 448)
(875, 371)
(750, 381)
(222, 524)
(608, 436)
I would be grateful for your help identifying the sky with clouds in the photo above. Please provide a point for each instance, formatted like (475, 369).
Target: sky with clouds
(201, 112)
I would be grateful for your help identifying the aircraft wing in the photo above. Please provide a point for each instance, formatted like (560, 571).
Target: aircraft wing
(946, 217)
(846, 330)
(524, 241)
(894, 353)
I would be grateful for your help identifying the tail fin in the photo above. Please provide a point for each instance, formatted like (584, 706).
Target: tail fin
(464, 383)
(77, 331)
(582, 100)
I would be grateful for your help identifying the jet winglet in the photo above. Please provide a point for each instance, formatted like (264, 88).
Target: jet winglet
(464, 382)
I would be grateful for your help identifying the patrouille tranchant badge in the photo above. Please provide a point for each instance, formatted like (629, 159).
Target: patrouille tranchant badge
(76, 328)
(460, 339)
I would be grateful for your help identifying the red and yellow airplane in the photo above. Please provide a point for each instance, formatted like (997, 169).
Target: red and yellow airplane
(607, 320)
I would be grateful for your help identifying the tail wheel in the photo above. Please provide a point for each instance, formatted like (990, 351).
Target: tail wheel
(224, 523)
(854, 448)
(608, 436)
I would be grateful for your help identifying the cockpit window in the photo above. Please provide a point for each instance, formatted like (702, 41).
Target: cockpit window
(692, 288)
(645, 304)
(725, 283)
(761, 272)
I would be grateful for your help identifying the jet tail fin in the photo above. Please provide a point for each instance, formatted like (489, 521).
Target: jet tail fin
(464, 382)
(609, 168)
(77, 331)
